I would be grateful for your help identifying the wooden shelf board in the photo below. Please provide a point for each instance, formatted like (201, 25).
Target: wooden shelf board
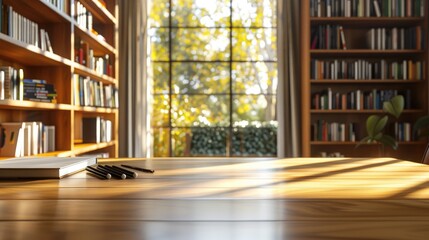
(99, 46)
(99, 12)
(46, 12)
(365, 111)
(82, 148)
(55, 154)
(365, 81)
(368, 21)
(32, 105)
(380, 53)
(80, 69)
(29, 54)
(355, 143)
(95, 109)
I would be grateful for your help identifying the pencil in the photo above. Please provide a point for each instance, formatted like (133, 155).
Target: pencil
(139, 168)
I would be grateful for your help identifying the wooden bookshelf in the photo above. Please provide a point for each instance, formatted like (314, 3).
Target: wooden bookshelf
(60, 66)
(355, 28)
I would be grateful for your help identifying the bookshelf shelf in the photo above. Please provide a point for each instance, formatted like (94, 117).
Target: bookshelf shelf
(34, 55)
(96, 109)
(57, 70)
(99, 46)
(363, 52)
(79, 69)
(39, 11)
(100, 12)
(353, 53)
(82, 148)
(32, 105)
(328, 143)
(365, 111)
(368, 21)
(365, 81)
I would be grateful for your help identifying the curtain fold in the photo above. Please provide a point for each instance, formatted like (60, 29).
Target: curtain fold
(133, 86)
(288, 104)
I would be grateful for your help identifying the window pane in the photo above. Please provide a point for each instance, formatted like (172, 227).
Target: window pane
(255, 13)
(159, 13)
(180, 142)
(159, 77)
(200, 110)
(161, 142)
(255, 140)
(260, 108)
(254, 44)
(159, 44)
(254, 78)
(207, 78)
(200, 44)
(200, 13)
(159, 113)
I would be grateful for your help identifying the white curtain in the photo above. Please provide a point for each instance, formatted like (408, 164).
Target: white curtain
(288, 96)
(133, 86)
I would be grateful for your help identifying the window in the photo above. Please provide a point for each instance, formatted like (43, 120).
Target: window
(214, 77)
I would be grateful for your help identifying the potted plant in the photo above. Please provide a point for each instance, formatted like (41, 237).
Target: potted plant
(375, 124)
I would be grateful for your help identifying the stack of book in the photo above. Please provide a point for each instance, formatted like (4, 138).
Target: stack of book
(39, 90)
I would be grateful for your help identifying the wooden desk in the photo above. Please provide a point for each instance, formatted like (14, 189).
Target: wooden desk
(204, 199)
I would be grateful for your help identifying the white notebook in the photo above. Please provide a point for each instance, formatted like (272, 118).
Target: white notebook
(43, 167)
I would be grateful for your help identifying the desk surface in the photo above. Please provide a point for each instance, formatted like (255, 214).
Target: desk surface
(204, 199)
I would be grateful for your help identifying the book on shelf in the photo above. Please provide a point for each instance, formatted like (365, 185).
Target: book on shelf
(44, 167)
(26, 138)
(88, 92)
(96, 130)
(357, 69)
(357, 99)
(367, 8)
(59, 4)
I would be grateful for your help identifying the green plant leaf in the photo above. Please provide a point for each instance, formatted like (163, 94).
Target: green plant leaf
(421, 123)
(389, 141)
(395, 106)
(375, 124)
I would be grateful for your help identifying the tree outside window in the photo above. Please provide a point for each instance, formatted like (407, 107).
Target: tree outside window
(213, 72)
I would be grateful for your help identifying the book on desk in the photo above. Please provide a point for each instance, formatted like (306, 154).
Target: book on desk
(44, 167)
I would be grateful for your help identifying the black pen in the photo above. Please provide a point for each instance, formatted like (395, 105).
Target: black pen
(112, 169)
(129, 173)
(139, 168)
(98, 173)
(112, 172)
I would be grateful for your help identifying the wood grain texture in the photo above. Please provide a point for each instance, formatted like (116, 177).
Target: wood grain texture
(226, 198)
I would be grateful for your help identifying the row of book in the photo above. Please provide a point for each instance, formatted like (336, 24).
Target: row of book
(403, 131)
(14, 86)
(367, 69)
(396, 38)
(96, 130)
(84, 55)
(59, 4)
(367, 8)
(324, 131)
(11, 83)
(88, 92)
(83, 17)
(328, 37)
(357, 99)
(20, 139)
(23, 29)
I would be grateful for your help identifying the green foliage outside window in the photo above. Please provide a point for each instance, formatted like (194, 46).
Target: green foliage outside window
(213, 64)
